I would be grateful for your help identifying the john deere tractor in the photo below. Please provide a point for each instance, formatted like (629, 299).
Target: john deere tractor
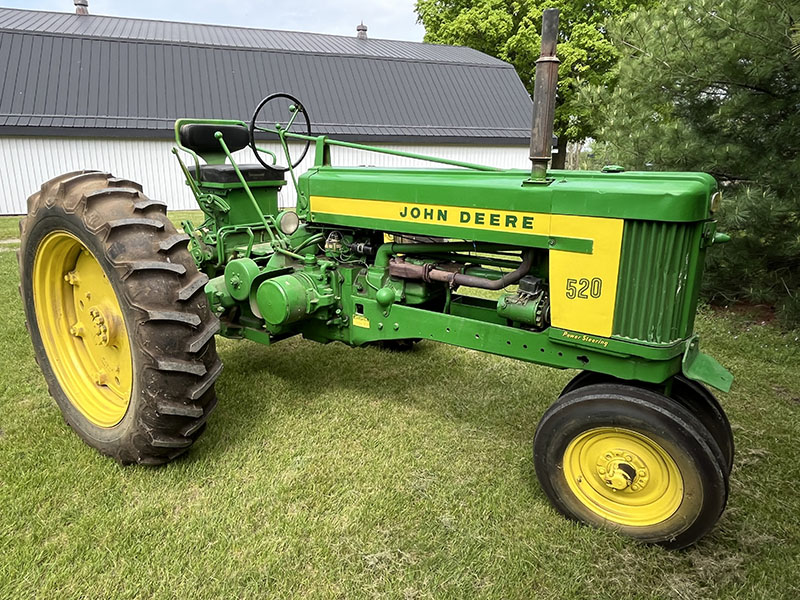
(596, 271)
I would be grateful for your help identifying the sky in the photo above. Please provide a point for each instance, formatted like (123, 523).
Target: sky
(387, 19)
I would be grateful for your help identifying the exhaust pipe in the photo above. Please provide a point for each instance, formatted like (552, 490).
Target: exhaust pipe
(428, 272)
(544, 98)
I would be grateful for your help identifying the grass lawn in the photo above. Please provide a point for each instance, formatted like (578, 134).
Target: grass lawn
(329, 472)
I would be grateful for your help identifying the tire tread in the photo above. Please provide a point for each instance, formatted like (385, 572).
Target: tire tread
(173, 339)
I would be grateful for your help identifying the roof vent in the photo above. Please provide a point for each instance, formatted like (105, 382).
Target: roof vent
(361, 31)
(81, 7)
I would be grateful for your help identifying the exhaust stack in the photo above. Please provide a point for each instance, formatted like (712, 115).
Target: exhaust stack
(544, 98)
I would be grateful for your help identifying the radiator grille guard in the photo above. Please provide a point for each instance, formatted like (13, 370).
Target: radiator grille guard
(659, 273)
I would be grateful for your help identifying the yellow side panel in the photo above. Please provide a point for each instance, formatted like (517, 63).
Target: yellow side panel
(583, 287)
(434, 214)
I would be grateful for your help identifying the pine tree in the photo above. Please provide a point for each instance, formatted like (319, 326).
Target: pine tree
(713, 85)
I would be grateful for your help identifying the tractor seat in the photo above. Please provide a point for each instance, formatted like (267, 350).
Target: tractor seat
(226, 173)
(199, 137)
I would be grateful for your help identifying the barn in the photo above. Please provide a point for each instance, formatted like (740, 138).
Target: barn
(87, 91)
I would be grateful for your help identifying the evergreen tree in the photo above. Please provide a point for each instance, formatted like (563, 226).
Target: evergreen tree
(712, 85)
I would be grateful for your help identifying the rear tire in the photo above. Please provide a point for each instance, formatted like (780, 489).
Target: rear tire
(632, 460)
(118, 317)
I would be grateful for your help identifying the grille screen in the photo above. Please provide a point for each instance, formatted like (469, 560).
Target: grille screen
(655, 271)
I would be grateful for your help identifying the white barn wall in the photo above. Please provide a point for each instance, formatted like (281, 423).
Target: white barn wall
(28, 161)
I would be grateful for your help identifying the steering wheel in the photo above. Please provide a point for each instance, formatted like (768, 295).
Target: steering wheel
(296, 108)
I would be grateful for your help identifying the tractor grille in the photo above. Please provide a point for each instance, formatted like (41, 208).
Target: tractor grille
(657, 276)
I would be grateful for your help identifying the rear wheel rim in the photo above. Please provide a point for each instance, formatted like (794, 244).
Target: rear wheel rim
(82, 329)
(623, 476)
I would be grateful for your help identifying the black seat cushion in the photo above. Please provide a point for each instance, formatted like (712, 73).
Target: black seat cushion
(226, 174)
(200, 137)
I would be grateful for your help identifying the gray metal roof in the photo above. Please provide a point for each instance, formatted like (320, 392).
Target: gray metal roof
(104, 27)
(97, 75)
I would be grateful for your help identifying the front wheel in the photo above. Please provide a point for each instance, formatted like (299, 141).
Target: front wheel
(117, 315)
(692, 395)
(630, 459)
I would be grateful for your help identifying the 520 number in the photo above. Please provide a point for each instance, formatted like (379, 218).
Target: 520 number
(584, 288)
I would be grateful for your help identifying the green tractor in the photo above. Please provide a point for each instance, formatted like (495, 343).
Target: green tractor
(597, 271)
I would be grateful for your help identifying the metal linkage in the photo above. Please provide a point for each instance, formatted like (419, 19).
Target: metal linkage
(323, 141)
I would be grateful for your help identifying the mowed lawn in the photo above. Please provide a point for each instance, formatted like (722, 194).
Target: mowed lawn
(330, 472)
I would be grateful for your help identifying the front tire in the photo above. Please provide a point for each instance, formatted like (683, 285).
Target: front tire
(118, 319)
(632, 460)
(692, 395)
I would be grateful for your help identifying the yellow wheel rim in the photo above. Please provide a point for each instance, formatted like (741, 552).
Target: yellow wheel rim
(623, 476)
(82, 327)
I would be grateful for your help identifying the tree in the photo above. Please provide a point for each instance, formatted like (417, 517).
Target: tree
(712, 85)
(510, 30)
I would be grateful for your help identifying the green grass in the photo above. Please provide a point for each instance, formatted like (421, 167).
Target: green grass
(195, 216)
(329, 472)
(9, 228)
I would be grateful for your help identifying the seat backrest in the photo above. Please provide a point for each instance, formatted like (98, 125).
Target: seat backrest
(199, 137)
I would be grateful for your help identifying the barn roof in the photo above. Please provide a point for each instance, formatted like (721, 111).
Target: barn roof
(96, 75)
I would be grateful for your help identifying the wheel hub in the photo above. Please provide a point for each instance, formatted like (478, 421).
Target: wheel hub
(623, 476)
(102, 326)
(621, 469)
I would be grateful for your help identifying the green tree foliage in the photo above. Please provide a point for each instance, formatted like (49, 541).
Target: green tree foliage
(510, 30)
(712, 85)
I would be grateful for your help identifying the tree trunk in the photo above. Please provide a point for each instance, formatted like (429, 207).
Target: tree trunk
(560, 159)
(574, 155)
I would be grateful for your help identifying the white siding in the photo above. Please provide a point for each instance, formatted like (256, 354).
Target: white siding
(28, 161)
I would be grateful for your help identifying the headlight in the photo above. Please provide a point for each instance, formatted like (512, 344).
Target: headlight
(288, 221)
